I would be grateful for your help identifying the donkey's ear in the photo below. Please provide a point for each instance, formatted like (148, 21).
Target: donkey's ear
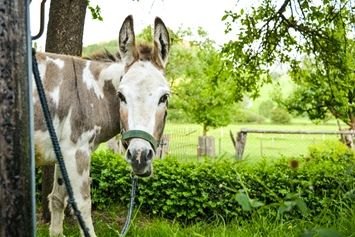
(161, 43)
(127, 42)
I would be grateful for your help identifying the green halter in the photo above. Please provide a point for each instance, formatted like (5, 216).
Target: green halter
(138, 134)
(142, 134)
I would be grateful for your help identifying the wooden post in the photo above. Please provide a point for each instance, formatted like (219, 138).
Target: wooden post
(16, 173)
(163, 148)
(261, 144)
(233, 140)
(220, 146)
(342, 136)
(206, 146)
(210, 146)
(115, 145)
(240, 144)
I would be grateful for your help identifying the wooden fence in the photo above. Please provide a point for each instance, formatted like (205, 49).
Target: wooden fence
(241, 139)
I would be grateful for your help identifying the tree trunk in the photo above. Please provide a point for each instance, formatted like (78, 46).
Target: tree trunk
(66, 27)
(16, 200)
(64, 36)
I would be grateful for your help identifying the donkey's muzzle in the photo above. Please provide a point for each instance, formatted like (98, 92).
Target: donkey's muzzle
(140, 160)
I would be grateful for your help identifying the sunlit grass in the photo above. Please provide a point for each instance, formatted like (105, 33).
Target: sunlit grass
(107, 224)
(184, 140)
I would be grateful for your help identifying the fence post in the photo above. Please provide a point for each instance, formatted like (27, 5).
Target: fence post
(16, 147)
(206, 146)
(163, 147)
(240, 144)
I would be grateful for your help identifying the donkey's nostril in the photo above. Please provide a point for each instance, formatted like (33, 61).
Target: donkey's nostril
(150, 154)
(129, 155)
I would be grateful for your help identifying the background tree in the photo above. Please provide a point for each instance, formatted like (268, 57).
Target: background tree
(201, 89)
(265, 108)
(314, 38)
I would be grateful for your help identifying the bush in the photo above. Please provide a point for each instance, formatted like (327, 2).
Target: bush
(333, 150)
(177, 116)
(110, 179)
(199, 190)
(192, 191)
(247, 116)
(280, 116)
(265, 108)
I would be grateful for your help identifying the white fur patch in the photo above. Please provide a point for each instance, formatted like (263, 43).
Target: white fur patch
(90, 81)
(55, 96)
(113, 72)
(42, 72)
(58, 62)
(143, 86)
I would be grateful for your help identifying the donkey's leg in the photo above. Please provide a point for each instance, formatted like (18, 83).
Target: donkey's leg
(78, 170)
(57, 204)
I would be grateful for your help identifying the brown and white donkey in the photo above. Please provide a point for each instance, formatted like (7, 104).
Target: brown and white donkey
(89, 101)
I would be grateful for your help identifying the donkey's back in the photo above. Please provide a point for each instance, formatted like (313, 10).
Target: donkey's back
(82, 100)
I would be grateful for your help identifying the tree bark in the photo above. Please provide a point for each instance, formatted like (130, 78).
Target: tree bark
(16, 214)
(66, 27)
(64, 36)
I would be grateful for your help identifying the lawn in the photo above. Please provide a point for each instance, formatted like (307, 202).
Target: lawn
(184, 139)
(183, 144)
(111, 222)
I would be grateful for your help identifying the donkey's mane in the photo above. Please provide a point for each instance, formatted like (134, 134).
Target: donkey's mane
(144, 50)
(104, 56)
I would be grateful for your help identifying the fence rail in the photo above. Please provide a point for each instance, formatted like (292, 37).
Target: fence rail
(246, 130)
(241, 139)
(181, 141)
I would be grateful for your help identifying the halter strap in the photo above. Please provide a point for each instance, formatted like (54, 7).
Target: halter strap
(138, 134)
(142, 134)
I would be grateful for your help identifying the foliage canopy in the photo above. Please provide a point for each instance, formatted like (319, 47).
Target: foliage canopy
(314, 38)
(201, 89)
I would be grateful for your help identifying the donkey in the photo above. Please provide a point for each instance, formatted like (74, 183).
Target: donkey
(92, 100)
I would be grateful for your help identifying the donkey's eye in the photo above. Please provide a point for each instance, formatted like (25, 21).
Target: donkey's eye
(163, 99)
(122, 98)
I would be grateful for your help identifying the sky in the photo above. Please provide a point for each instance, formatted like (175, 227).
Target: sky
(174, 13)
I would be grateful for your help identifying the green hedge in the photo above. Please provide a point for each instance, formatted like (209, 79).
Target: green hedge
(198, 190)
(195, 190)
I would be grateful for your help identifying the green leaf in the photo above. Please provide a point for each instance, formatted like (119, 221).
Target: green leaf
(257, 204)
(243, 200)
(328, 233)
(308, 233)
(302, 206)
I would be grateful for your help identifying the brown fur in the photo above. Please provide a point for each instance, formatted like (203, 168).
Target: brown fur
(82, 162)
(74, 94)
(145, 53)
(104, 56)
(85, 190)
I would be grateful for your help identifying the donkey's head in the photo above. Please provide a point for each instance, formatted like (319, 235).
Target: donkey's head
(143, 93)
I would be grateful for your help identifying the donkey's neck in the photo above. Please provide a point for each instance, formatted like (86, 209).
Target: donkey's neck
(82, 97)
(105, 106)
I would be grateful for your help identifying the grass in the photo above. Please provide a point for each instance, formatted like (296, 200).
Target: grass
(110, 223)
(184, 139)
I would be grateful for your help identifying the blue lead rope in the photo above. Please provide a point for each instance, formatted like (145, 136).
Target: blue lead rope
(131, 205)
